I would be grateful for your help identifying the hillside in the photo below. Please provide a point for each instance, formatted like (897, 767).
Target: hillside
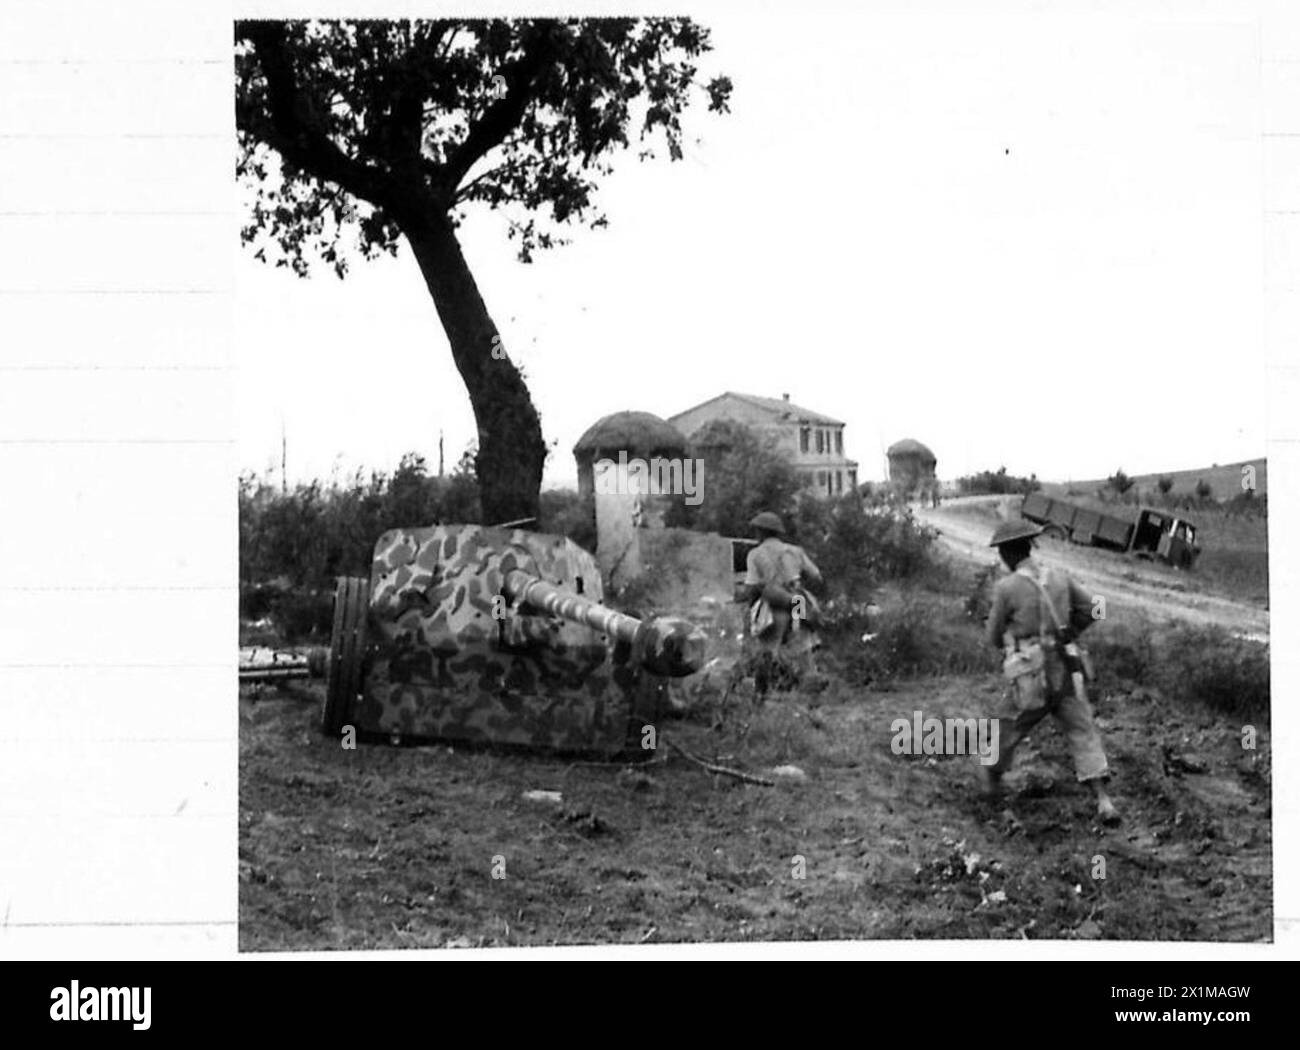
(1224, 479)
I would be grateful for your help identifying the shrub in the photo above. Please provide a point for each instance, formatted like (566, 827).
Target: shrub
(316, 531)
(565, 513)
(1206, 664)
(1247, 505)
(1204, 490)
(997, 483)
(1124, 654)
(1165, 484)
(744, 473)
(1212, 666)
(1119, 482)
(858, 547)
(923, 634)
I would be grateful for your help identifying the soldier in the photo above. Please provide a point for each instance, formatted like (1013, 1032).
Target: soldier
(1036, 615)
(778, 574)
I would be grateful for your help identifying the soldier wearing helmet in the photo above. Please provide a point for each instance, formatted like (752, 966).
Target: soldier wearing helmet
(1037, 613)
(778, 575)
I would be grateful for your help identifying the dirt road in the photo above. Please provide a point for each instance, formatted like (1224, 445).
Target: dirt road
(1158, 591)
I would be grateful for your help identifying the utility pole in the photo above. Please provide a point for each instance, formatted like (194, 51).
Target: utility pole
(440, 463)
(284, 460)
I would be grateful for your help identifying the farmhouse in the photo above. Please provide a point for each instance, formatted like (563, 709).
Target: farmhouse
(814, 442)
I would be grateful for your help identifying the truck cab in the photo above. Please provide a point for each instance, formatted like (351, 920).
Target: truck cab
(1160, 534)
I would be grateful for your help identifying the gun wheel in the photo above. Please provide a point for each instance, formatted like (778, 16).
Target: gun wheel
(1055, 532)
(347, 652)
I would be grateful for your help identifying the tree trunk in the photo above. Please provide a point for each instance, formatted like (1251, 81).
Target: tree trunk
(511, 451)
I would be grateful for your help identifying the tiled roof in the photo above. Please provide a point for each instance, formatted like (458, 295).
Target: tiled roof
(778, 406)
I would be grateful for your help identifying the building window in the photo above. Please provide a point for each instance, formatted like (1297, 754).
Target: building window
(839, 483)
(853, 480)
(821, 478)
(839, 442)
(821, 441)
(803, 439)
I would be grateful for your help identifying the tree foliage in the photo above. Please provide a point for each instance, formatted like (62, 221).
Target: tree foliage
(743, 472)
(996, 483)
(374, 125)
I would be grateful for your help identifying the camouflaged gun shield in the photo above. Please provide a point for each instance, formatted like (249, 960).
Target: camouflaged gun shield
(458, 655)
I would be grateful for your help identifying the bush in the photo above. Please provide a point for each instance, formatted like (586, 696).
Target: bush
(744, 473)
(314, 532)
(858, 547)
(1204, 490)
(1205, 664)
(565, 513)
(1124, 654)
(1247, 505)
(1210, 665)
(1119, 482)
(923, 634)
(1165, 484)
(999, 483)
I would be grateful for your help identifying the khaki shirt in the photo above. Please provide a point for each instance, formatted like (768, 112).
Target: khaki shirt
(1018, 604)
(781, 563)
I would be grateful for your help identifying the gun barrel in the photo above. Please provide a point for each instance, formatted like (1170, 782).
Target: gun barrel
(524, 587)
(666, 645)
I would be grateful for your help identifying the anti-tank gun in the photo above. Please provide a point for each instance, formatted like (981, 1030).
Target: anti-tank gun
(497, 636)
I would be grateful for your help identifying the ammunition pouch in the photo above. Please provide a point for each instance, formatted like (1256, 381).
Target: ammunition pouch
(1025, 667)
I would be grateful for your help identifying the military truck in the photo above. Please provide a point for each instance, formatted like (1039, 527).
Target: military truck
(1155, 534)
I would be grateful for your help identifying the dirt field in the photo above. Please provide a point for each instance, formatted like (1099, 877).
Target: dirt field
(394, 847)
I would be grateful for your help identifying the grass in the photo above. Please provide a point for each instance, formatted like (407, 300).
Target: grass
(1203, 665)
(1224, 480)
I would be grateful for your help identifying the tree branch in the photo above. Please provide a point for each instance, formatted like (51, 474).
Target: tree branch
(291, 129)
(503, 115)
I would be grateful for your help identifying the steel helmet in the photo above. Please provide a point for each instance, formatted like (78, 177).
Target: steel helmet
(1013, 530)
(769, 521)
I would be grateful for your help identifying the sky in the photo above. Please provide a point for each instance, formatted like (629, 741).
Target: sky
(1030, 239)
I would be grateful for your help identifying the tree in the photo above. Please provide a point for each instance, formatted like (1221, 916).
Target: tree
(742, 472)
(391, 130)
(1120, 482)
(1165, 484)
